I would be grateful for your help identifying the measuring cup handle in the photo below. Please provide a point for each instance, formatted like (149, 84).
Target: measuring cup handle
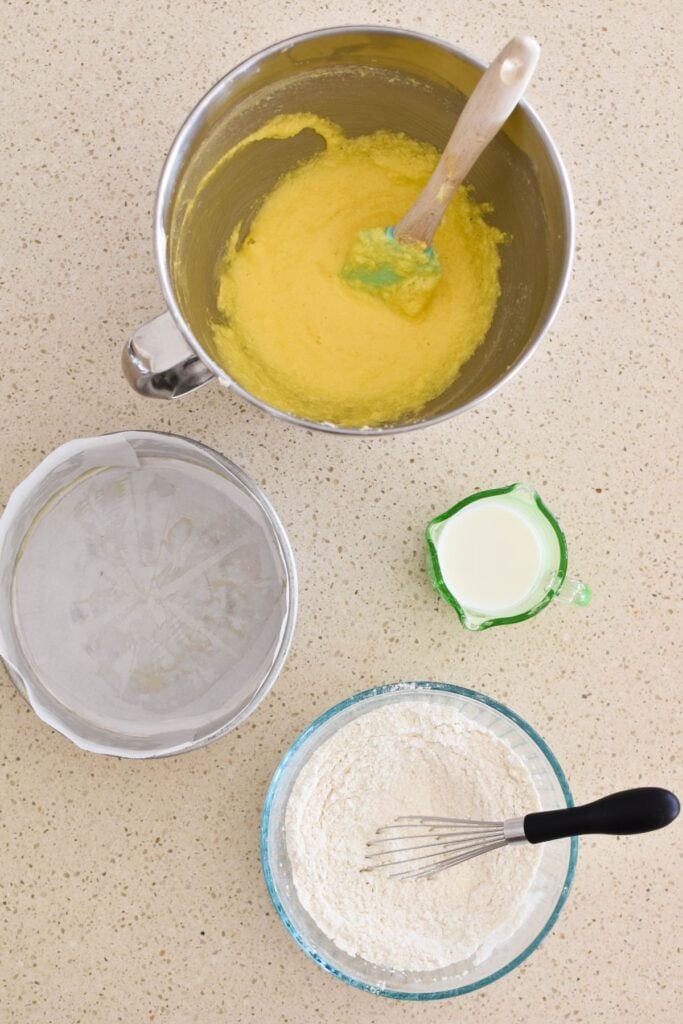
(157, 362)
(573, 591)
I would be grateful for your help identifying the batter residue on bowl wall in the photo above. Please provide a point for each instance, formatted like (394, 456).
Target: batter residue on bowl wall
(297, 336)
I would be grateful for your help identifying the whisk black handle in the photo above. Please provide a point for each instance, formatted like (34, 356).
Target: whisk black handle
(621, 814)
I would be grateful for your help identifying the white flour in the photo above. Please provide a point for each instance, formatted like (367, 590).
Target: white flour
(407, 758)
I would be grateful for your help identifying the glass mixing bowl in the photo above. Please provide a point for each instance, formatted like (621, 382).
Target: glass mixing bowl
(548, 894)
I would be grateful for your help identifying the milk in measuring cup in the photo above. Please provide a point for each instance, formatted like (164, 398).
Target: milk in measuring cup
(490, 556)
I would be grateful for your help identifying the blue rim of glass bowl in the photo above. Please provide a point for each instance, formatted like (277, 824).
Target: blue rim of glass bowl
(291, 927)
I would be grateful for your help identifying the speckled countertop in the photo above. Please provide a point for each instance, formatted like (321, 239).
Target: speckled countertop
(132, 891)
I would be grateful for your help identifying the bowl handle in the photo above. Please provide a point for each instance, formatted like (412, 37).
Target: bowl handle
(158, 363)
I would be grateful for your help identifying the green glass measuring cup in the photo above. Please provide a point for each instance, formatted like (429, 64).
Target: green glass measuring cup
(500, 556)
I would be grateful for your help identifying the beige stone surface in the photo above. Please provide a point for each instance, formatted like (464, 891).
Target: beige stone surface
(132, 892)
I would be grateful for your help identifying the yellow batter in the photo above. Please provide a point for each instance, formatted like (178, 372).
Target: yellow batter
(298, 336)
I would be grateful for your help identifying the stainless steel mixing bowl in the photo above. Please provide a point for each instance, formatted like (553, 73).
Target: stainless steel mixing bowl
(364, 79)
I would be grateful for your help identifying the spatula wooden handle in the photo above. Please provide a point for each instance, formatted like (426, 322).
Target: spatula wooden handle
(495, 96)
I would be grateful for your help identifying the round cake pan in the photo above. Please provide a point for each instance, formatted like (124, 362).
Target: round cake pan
(147, 593)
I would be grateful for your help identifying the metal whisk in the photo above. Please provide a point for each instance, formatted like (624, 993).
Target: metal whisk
(437, 843)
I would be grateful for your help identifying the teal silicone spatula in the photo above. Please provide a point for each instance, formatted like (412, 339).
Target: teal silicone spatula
(398, 264)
